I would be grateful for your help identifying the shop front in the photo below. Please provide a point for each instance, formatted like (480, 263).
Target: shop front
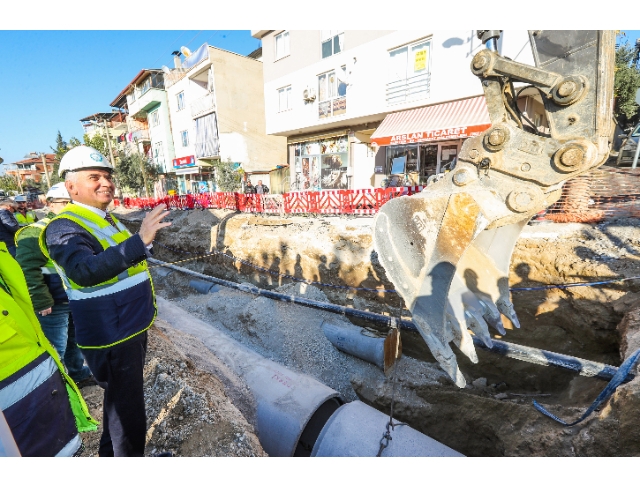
(425, 141)
(320, 163)
(193, 176)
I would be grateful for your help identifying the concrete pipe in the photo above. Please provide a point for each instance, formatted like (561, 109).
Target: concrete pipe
(349, 339)
(292, 408)
(203, 287)
(355, 430)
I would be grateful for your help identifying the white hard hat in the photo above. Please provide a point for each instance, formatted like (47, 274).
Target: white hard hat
(20, 199)
(83, 157)
(58, 191)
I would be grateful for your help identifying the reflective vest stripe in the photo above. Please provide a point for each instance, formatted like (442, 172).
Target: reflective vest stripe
(93, 292)
(25, 385)
(106, 233)
(70, 448)
(48, 270)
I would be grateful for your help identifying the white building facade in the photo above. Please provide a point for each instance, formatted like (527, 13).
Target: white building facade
(216, 105)
(330, 93)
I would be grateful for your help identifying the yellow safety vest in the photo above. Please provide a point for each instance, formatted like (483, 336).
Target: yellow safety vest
(22, 341)
(27, 219)
(49, 267)
(107, 236)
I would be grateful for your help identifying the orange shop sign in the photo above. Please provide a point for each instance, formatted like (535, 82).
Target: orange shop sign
(431, 135)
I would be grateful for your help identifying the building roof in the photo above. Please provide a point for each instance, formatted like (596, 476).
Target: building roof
(50, 158)
(255, 54)
(142, 74)
(99, 116)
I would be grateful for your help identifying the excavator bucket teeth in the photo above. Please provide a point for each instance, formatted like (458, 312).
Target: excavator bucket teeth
(451, 271)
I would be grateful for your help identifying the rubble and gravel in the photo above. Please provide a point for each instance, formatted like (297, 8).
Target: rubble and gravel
(493, 415)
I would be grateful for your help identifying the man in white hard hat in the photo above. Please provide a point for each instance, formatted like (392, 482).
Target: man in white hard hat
(48, 297)
(24, 215)
(104, 270)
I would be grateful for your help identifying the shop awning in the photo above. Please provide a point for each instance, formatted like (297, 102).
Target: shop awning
(452, 120)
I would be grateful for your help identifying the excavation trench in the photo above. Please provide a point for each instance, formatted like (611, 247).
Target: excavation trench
(493, 415)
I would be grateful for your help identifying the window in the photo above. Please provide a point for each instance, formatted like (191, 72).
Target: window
(154, 119)
(282, 45)
(332, 91)
(332, 42)
(184, 136)
(409, 76)
(180, 98)
(158, 154)
(284, 98)
(146, 85)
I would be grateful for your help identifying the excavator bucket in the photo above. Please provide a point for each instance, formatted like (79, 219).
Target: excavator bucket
(448, 249)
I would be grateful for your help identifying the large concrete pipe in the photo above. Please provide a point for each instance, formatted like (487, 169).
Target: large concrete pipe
(292, 408)
(295, 410)
(356, 430)
(350, 339)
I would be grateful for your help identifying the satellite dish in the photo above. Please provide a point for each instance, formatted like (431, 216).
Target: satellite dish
(185, 50)
(166, 70)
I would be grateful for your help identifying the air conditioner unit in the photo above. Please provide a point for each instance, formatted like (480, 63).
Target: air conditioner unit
(309, 94)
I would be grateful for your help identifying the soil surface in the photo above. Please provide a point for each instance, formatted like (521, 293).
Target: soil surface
(493, 416)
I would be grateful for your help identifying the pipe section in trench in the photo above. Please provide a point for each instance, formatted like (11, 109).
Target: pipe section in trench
(296, 414)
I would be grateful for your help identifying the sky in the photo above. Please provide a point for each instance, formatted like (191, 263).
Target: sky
(58, 77)
(55, 78)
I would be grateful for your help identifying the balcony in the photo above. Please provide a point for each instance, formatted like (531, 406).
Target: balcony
(141, 135)
(203, 106)
(413, 88)
(146, 102)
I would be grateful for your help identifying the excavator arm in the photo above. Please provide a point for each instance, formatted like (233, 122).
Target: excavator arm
(447, 250)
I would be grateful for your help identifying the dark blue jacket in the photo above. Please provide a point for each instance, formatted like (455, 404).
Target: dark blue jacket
(107, 319)
(8, 227)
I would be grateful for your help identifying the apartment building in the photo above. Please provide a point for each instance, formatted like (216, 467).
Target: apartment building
(216, 106)
(144, 100)
(358, 107)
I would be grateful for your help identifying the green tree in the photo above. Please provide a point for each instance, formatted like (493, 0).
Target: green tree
(129, 173)
(627, 82)
(228, 178)
(62, 147)
(98, 142)
(8, 183)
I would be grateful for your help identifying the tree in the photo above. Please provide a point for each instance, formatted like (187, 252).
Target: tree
(62, 147)
(8, 183)
(98, 142)
(228, 178)
(627, 82)
(129, 172)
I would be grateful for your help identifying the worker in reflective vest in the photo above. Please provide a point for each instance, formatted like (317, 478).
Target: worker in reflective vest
(103, 268)
(50, 302)
(41, 404)
(23, 215)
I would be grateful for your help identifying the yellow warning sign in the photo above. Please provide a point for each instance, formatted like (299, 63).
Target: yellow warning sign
(420, 62)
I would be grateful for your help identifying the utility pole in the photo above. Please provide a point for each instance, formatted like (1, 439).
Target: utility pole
(18, 178)
(46, 171)
(106, 132)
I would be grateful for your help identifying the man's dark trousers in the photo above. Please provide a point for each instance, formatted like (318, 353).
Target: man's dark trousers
(119, 371)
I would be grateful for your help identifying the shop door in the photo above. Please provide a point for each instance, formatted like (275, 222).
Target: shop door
(448, 154)
(428, 161)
